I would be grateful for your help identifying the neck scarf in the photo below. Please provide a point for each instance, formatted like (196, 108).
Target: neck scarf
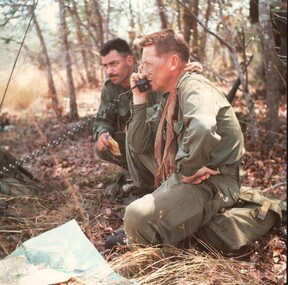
(165, 155)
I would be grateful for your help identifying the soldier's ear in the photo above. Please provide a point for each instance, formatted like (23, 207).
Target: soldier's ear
(130, 60)
(173, 62)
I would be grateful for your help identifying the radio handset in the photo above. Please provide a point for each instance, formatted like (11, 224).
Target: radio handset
(143, 85)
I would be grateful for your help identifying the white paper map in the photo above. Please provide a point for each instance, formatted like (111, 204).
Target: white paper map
(55, 256)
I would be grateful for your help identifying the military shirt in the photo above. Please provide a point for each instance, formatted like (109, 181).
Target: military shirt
(115, 119)
(207, 130)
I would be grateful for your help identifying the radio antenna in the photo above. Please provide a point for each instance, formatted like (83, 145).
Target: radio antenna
(16, 59)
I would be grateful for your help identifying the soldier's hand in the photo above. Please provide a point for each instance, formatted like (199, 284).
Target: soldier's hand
(194, 67)
(201, 175)
(102, 143)
(138, 97)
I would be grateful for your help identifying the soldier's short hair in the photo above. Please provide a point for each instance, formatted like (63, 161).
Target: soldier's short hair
(117, 44)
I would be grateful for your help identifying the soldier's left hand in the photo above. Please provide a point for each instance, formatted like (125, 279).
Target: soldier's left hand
(201, 175)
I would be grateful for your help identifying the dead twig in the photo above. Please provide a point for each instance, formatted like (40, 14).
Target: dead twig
(274, 186)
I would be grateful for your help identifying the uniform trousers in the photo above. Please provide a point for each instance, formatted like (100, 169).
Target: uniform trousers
(175, 210)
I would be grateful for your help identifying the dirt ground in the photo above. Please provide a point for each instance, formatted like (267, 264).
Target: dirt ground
(77, 184)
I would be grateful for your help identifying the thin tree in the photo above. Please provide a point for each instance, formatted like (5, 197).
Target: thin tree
(132, 22)
(195, 44)
(67, 60)
(187, 21)
(243, 80)
(51, 86)
(90, 72)
(179, 25)
(229, 44)
(98, 22)
(163, 18)
(190, 26)
(94, 41)
(107, 21)
(202, 46)
(271, 72)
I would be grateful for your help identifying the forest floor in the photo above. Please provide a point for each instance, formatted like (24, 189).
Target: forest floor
(75, 183)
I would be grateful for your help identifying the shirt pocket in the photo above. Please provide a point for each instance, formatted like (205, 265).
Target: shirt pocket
(179, 130)
(181, 154)
(178, 127)
(123, 107)
(123, 111)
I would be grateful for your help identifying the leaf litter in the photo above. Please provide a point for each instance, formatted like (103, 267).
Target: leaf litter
(75, 179)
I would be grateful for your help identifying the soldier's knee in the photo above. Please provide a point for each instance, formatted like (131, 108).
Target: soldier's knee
(134, 215)
(137, 215)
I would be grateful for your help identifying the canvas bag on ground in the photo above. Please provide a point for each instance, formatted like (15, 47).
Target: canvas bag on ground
(18, 181)
(252, 217)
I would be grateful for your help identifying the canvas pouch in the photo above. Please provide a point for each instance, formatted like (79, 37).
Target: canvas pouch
(233, 228)
(18, 181)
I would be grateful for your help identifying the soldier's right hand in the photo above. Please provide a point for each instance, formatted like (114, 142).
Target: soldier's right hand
(102, 143)
(138, 96)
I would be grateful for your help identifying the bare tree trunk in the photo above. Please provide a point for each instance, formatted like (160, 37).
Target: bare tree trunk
(132, 23)
(106, 30)
(90, 24)
(163, 18)
(178, 17)
(65, 46)
(253, 11)
(132, 41)
(92, 34)
(202, 46)
(271, 73)
(279, 25)
(90, 73)
(51, 86)
(244, 83)
(98, 23)
(195, 45)
(187, 22)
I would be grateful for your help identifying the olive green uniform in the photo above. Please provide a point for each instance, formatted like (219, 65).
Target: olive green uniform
(114, 120)
(18, 181)
(208, 134)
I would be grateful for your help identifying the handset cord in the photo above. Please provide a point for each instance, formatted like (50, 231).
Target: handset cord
(69, 133)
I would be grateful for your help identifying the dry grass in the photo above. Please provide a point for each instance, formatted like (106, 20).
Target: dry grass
(27, 85)
(170, 265)
(28, 94)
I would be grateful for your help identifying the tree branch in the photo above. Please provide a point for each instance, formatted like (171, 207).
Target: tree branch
(203, 26)
(240, 73)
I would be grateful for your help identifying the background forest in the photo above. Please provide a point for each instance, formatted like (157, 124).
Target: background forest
(63, 36)
(50, 80)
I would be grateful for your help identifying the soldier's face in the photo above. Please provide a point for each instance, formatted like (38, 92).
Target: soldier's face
(155, 68)
(118, 67)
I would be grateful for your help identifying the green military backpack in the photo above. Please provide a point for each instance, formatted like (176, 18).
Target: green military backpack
(253, 216)
(18, 181)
